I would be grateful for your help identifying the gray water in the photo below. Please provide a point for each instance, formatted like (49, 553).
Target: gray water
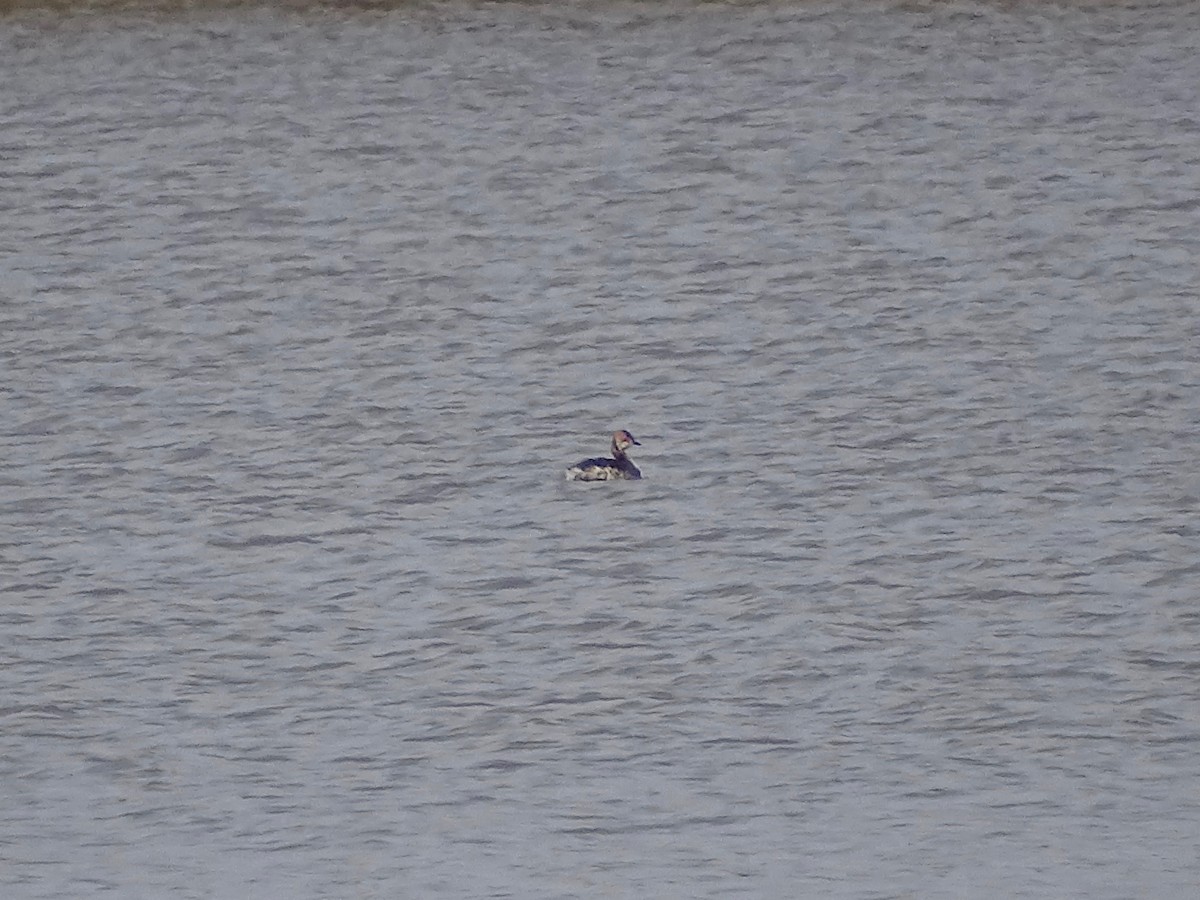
(303, 313)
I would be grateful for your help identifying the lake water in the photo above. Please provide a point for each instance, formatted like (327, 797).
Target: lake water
(304, 311)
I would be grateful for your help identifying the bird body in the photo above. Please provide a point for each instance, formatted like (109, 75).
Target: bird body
(619, 467)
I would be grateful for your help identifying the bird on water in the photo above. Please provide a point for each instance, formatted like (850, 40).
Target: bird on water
(602, 469)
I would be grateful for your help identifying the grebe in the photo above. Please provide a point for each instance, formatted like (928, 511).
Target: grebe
(601, 469)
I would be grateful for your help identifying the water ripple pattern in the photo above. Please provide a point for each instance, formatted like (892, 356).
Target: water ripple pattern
(305, 310)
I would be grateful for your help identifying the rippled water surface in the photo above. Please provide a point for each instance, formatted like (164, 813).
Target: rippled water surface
(303, 313)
